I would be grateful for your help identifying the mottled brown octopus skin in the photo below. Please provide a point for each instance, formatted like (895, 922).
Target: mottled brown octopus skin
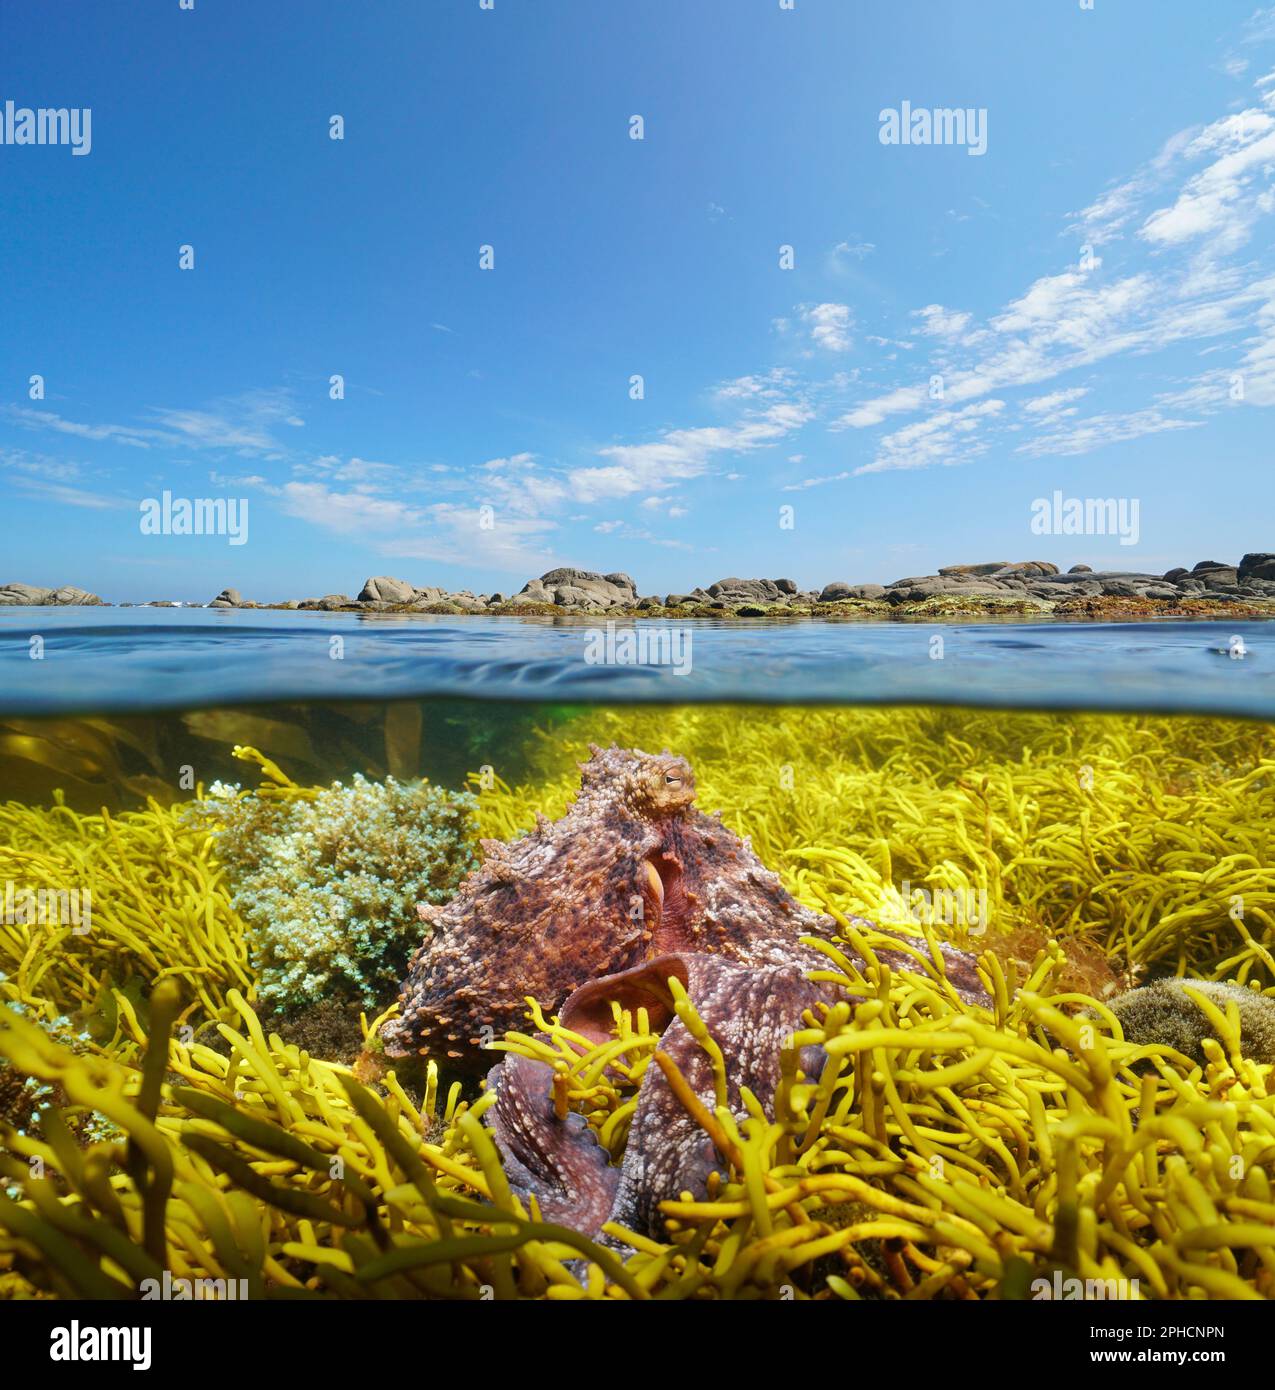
(632, 871)
(750, 1011)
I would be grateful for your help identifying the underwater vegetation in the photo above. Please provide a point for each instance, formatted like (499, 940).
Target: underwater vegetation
(1144, 842)
(158, 906)
(329, 878)
(944, 1150)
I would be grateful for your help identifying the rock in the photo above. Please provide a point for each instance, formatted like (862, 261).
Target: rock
(585, 589)
(384, 589)
(677, 600)
(1217, 577)
(733, 592)
(831, 593)
(422, 598)
(33, 594)
(69, 594)
(1026, 568)
(228, 598)
(650, 602)
(1257, 564)
(933, 585)
(1080, 569)
(1174, 575)
(1210, 565)
(24, 594)
(331, 602)
(1136, 586)
(990, 568)
(1085, 588)
(495, 599)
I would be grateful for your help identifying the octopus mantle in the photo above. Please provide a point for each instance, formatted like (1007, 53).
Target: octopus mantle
(633, 871)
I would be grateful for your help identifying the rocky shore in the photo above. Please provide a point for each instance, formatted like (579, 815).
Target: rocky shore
(1211, 588)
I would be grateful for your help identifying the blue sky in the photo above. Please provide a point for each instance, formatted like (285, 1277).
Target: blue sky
(1144, 132)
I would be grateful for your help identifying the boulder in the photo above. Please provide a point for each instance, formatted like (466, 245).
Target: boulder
(1080, 569)
(24, 594)
(1033, 569)
(586, 589)
(1257, 564)
(228, 598)
(933, 585)
(331, 602)
(383, 589)
(991, 567)
(33, 594)
(1177, 574)
(831, 593)
(69, 594)
(733, 592)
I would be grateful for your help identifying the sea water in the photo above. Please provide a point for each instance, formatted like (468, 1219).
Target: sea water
(1003, 784)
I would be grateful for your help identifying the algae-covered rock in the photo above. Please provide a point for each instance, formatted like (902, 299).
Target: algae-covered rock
(1164, 1012)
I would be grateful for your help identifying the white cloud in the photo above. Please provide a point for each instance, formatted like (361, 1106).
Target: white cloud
(938, 322)
(241, 423)
(946, 437)
(1260, 25)
(1099, 430)
(679, 455)
(1224, 199)
(830, 325)
(1054, 402)
(815, 482)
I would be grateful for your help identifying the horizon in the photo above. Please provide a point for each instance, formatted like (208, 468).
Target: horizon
(888, 280)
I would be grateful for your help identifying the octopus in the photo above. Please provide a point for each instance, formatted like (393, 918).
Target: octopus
(558, 1160)
(633, 871)
(634, 886)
